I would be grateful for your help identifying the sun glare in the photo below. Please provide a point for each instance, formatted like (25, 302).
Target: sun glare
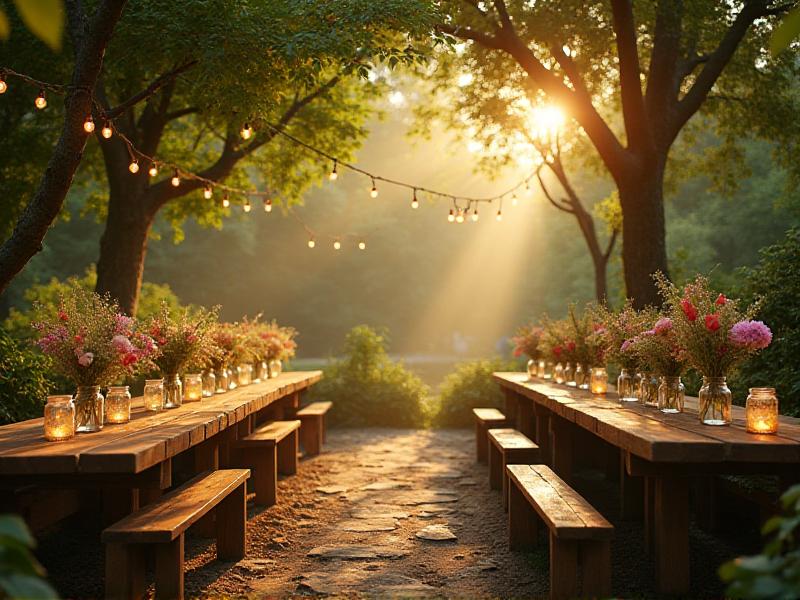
(545, 121)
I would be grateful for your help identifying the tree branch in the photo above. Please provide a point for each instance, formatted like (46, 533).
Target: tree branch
(467, 33)
(151, 89)
(562, 205)
(610, 246)
(181, 112)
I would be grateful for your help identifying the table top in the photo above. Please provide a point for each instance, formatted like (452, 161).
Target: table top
(656, 436)
(148, 439)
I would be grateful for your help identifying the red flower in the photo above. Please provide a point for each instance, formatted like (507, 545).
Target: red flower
(712, 322)
(78, 339)
(571, 346)
(517, 352)
(721, 300)
(63, 316)
(557, 350)
(689, 310)
(129, 359)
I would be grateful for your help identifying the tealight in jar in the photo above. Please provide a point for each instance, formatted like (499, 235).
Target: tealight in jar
(761, 411)
(154, 395)
(59, 418)
(118, 404)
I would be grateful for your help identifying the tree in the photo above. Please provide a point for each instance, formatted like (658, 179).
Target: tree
(591, 58)
(89, 37)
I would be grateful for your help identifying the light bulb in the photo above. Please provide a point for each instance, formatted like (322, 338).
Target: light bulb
(451, 217)
(499, 216)
(337, 245)
(475, 216)
(207, 193)
(374, 191)
(134, 166)
(514, 200)
(414, 201)
(246, 206)
(334, 173)
(176, 180)
(225, 201)
(3, 86)
(362, 245)
(88, 124)
(246, 132)
(460, 216)
(268, 205)
(311, 243)
(106, 131)
(153, 170)
(41, 101)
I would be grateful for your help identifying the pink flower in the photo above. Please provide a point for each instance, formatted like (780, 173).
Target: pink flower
(689, 310)
(122, 344)
(86, 359)
(122, 324)
(753, 335)
(662, 326)
(626, 345)
(712, 322)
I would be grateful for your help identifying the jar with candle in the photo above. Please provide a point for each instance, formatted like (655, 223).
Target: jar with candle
(153, 396)
(209, 383)
(263, 370)
(540, 368)
(192, 387)
(761, 411)
(599, 380)
(118, 404)
(569, 375)
(173, 391)
(558, 373)
(222, 380)
(275, 367)
(59, 418)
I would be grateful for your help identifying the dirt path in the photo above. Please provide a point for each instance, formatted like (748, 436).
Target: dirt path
(358, 519)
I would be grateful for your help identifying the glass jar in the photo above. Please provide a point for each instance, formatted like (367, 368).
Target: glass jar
(275, 368)
(558, 373)
(118, 404)
(209, 383)
(637, 385)
(173, 391)
(599, 380)
(581, 377)
(532, 369)
(222, 381)
(761, 411)
(540, 368)
(243, 375)
(569, 375)
(153, 396)
(233, 379)
(715, 401)
(263, 370)
(671, 395)
(88, 409)
(192, 387)
(548, 369)
(649, 393)
(59, 418)
(626, 390)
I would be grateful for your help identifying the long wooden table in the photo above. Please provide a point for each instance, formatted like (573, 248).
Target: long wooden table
(662, 451)
(138, 455)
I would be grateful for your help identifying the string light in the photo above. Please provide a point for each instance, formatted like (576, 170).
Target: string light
(88, 124)
(246, 206)
(334, 175)
(176, 180)
(134, 166)
(414, 201)
(268, 205)
(246, 132)
(226, 202)
(337, 245)
(153, 170)
(499, 216)
(374, 191)
(41, 101)
(362, 245)
(3, 86)
(475, 216)
(460, 216)
(514, 200)
(311, 243)
(106, 131)
(207, 193)
(451, 217)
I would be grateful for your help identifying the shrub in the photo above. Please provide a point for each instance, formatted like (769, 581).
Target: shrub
(470, 386)
(368, 388)
(24, 382)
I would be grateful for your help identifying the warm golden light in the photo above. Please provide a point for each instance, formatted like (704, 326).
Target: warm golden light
(207, 193)
(3, 86)
(88, 125)
(362, 245)
(106, 131)
(599, 381)
(246, 132)
(514, 200)
(153, 170)
(176, 180)
(311, 243)
(499, 216)
(475, 216)
(134, 166)
(246, 206)
(334, 173)
(546, 122)
(451, 217)
(41, 101)
(59, 418)
(414, 201)
(374, 191)
(268, 205)
(337, 245)
(761, 411)
(460, 216)
(226, 202)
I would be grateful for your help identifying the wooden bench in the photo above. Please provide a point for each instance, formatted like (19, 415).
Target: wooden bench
(269, 450)
(580, 537)
(312, 428)
(485, 419)
(508, 447)
(163, 524)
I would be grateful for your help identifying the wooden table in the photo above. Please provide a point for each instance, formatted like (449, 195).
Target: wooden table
(662, 450)
(124, 459)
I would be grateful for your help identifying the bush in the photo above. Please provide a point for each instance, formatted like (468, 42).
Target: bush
(470, 386)
(776, 280)
(368, 388)
(24, 382)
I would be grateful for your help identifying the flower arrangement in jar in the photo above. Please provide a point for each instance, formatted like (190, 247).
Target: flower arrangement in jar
(554, 348)
(280, 346)
(660, 350)
(716, 336)
(222, 347)
(588, 334)
(92, 344)
(527, 341)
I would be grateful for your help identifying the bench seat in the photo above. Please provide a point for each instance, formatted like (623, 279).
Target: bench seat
(163, 523)
(312, 430)
(270, 449)
(485, 419)
(580, 537)
(508, 447)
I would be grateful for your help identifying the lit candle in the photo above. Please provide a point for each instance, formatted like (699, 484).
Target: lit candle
(599, 380)
(761, 411)
(193, 387)
(118, 404)
(59, 418)
(154, 395)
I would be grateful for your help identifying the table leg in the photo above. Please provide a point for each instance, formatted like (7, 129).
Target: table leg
(118, 503)
(510, 410)
(561, 450)
(542, 432)
(631, 492)
(671, 516)
(649, 504)
(525, 418)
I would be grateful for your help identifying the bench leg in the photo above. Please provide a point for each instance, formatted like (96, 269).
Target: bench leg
(125, 570)
(206, 458)
(481, 443)
(542, 432)
(596, 567)
(287, 454)
(265, 474)
(522, 520)
(563, 568)
(232, 525)
(516, 457)
(495, 468)
(169, 569)
(311, 432)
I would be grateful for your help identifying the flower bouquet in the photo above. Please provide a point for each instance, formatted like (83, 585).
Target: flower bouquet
(659, 349)
(527, 341)
(92, 344)
(716, 336)
(280, 346)
(183, 339)
(589, 336)
(553, 350)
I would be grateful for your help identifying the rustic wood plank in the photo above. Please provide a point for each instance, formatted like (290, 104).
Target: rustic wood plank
(314, 409)
(270, 434)
(169, 569)
(510, 439)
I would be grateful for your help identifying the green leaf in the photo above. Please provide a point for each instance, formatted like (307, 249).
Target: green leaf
(5, 26)
(45, 19)
(22, 586)
(786, 32)
(14, 527)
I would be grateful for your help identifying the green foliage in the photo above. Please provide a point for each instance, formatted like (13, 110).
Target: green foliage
(24, 380)
(21, 576)
(786, 32)
(775, 573)
(367, 388)
(44, 18)
(776, 281)
(470, 386)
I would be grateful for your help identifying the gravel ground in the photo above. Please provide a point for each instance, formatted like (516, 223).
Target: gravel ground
(354, 521)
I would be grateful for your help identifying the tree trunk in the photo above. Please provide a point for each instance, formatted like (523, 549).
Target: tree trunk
(644, 250)
(599, 260)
